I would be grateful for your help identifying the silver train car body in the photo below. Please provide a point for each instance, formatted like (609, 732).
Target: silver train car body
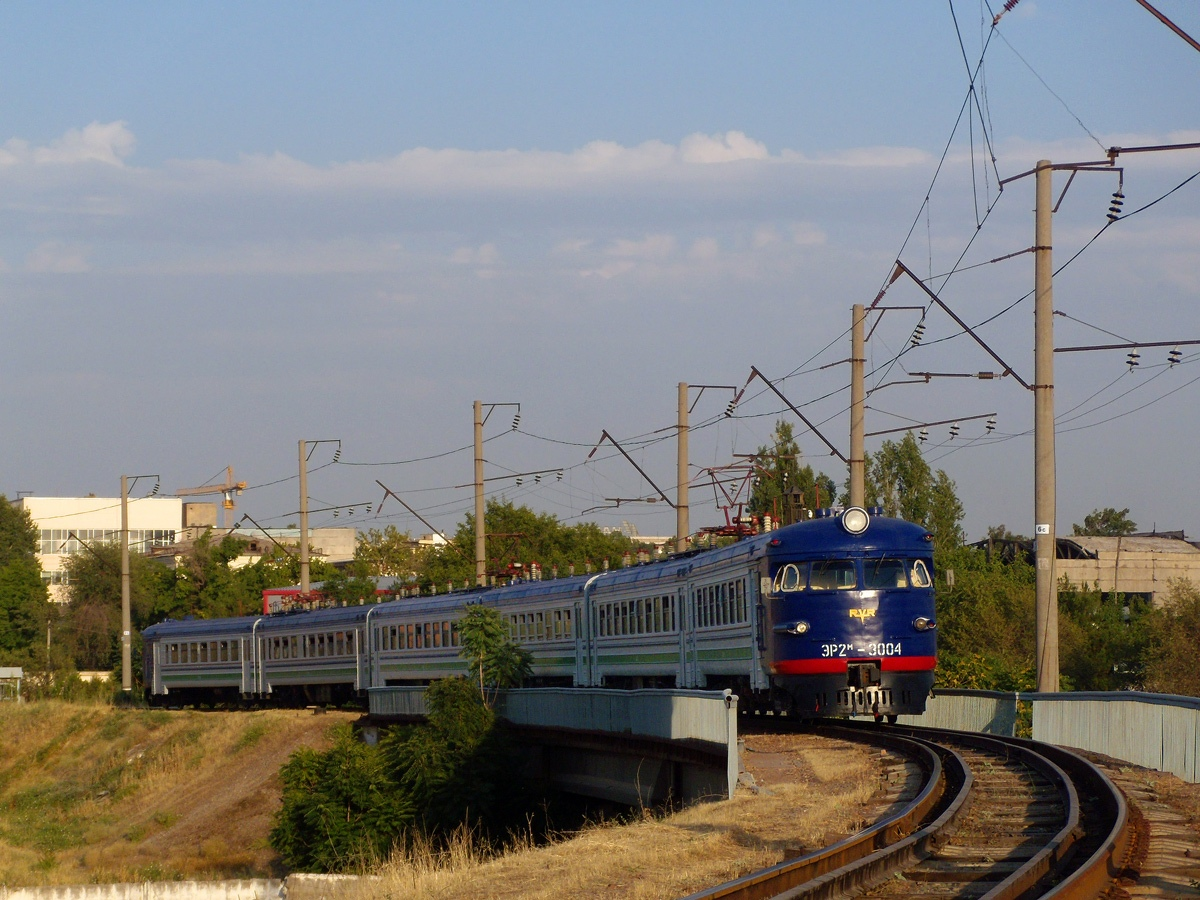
(688, 622)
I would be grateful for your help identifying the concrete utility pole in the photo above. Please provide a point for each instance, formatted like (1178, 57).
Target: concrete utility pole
(1044, 499)
(480, 544)
(126, 623)
(858, 358)
(682, 526)
(304, 577)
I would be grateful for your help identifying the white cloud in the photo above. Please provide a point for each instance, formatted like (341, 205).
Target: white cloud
(806, 234)
(654, 246)
(485, 255)
(731, 146)
(108, 142)
(704, 248)
(53, 256)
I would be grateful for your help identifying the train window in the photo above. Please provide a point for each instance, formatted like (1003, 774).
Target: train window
(235, 650)
(833, 575)
(408, 641)
(454, 633)
(884, 573)
(173, 653)
(203, 651)
(791, 577)
(437, 635)
(339, 643)
(739, 588)
(918, 574)
(446, 633)
(295, 642)
(223, 647)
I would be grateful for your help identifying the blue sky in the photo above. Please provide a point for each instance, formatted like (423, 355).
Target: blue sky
(231, 226)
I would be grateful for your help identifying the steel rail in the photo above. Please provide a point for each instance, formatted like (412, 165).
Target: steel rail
(894, 841)
(1088, 878)
(1102, 838)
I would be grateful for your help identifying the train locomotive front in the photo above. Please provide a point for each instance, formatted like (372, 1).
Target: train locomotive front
(850, 615)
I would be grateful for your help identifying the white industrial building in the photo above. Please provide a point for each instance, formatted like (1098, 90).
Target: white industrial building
(66, 524)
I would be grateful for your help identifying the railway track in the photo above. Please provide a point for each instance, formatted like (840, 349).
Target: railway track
(969, 816)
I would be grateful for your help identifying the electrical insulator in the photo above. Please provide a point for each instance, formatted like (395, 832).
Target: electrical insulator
(918, 333)
(335, 513)
(954, 431)
(520, 481)
(991, 424)
(1133, 358)
(1114, 209)
(337, 454)
(1174, 356)
(516, 421)
(924, 435)
(560, 474)
(368, 507)
(537, 479)
(730, 407)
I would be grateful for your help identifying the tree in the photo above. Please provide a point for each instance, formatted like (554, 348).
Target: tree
(387, 552)
(24, 599)
(517, 534)
(1108, 521)
(342, 809)
(1174, 635)
(899, 480)
(492, 657)
(92, 621)
(1103, 640)
(782, 487)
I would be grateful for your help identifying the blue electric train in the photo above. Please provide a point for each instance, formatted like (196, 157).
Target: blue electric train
(830, 616)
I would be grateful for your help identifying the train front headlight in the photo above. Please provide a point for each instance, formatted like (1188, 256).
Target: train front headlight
(798, 627)
(920, 623)
(855, 520)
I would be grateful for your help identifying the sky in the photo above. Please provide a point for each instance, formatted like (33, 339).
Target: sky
(227, 227)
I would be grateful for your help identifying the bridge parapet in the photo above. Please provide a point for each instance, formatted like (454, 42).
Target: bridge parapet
(634, 747)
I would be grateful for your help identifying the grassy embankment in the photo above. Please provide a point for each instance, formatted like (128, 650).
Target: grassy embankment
(92, 793)
(97, 794)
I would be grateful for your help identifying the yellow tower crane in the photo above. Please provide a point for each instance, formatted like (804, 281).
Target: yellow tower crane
(229, 489)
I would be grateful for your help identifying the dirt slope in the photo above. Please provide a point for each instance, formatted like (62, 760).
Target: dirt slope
(92, 793)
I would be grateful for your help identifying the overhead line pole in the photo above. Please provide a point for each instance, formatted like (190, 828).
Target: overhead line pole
(682, 522)
(1044, 491)
(858, 403)
(126, 619)
(304, 567)
(480, 538)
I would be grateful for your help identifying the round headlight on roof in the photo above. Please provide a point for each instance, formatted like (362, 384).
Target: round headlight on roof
(855, 520)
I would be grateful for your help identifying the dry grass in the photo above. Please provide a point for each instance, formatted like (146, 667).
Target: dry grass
(819, 793)
(94, 794)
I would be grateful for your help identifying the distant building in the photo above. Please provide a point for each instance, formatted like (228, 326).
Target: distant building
(67, 524)
(1141, 564)
(160, 526)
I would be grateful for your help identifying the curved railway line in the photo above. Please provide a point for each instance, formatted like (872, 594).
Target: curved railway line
(967, 816)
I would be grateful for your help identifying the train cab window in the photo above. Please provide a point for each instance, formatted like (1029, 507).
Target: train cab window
(791, 577)
(918, 574)
(833, 575)
(884, 573)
